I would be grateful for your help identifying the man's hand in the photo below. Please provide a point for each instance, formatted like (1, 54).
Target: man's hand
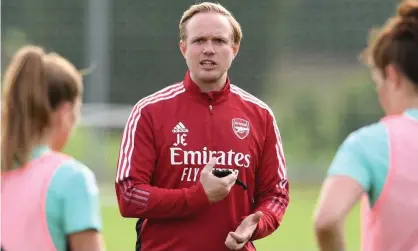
(236, 240)
(216, 188)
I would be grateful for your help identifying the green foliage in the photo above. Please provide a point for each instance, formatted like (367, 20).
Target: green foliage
(315, 118)
(332, 26)
(13, 39)
(361, 107)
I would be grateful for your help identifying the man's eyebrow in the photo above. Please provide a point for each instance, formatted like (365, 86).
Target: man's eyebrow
(207, 37)
(221, 37)
(197, 37)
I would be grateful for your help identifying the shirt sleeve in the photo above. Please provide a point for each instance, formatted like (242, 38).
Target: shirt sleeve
(79, 198)
(137, 198)
(272, 187)
(364, 157)
(350, 160)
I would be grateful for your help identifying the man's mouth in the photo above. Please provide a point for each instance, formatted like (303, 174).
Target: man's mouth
(207, 63)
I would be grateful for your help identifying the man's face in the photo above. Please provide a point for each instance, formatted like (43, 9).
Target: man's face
(209, 48)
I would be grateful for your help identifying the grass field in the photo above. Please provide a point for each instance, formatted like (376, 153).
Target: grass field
(295, 234)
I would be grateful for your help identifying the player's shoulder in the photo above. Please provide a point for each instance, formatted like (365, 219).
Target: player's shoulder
(74, 173)
(250, 100)
(162, 96)
(368, 137)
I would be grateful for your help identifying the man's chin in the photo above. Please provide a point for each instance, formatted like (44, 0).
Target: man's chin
(209, 77)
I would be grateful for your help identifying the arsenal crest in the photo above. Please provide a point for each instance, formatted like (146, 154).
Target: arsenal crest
(241, 127)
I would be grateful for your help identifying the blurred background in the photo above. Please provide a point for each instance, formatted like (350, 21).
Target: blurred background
(299, 56)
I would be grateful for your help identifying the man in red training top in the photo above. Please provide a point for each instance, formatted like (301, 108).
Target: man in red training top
(176, 137)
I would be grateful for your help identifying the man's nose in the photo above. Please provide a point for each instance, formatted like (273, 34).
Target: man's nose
(209, 49)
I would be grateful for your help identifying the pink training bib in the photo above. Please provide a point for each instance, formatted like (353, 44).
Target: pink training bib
(23, 197)
(392, 223)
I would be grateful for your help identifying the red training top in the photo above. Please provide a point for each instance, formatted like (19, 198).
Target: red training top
(168, 139)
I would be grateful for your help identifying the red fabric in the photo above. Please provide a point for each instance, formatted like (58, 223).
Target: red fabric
(158, 177)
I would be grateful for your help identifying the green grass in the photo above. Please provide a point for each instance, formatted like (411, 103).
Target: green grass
(295, 234)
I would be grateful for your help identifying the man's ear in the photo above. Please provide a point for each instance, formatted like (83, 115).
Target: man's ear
(183, 47)
(393, 75)
(235, 49)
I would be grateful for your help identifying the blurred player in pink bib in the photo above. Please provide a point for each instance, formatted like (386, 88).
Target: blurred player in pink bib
(49, 201)
(379, 163)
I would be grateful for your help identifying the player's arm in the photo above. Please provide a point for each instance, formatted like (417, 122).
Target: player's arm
(81, 204)
(88, 240)
(348, 178)
(272, 187)
(137, 160)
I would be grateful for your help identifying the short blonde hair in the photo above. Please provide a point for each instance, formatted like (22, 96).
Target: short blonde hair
(207, 7)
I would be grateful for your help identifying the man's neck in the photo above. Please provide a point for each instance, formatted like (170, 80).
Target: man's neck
(210, 86)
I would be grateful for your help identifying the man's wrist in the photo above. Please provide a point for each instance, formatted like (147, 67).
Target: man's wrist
(196, 196)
